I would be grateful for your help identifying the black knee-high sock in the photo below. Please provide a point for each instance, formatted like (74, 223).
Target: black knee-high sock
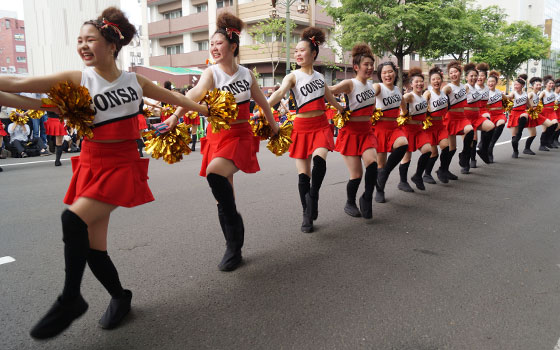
(194, 138)
(467, 143)
(444, 158)
(544, 136)
(451, 154)
(140, 144)
(352, 189)
(473, 150)
(529, 142)
(485, 138)
(304, 184)
(496, 135)
(430, 164)
(395, 158)
(317, 175)
(556, 135)
(550, 134)
(403, 171)
(422, 162)
(370, 180)
(223, 192)
(104, 270)
(76, 249)
(520, 127)
(58, 153)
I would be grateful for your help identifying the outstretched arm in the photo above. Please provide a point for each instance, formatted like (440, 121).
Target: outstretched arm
(287, 83)
(38, 84)
(344, 87)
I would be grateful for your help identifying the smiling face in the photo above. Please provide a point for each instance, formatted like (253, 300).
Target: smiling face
(471, 77)
(365, 69)
(537, 86)
(221, 50)
(481, 79)
(517, 86)
(303, 54)
(435, 81)
(93, 48)
(550, 85)
(388, 75)
(417, 85)
(492, 83)
(454, 75)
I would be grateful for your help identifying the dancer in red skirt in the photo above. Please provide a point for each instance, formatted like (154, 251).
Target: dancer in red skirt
(485, 125)
(312, 135)
(416, 105)
(518, 116)
(107, 174)
(390, 137)
(534, 98)
(437, 107)
(55, 128)
(496, 111)
(457, 122)
(226, 152)
(356, 140)
(548, 116)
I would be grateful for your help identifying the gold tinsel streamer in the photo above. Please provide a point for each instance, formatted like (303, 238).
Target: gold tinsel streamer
(279, 144)
(555, 106)
(74, 103)
(167, 111)
(148, 112)
(403, 118)
(222, 109)
(192, 115)
(426, 124)
(378, 113)
(34, 114)
(290, 117)
(507, 104)
(340, 120)
(171, 145)
(261, 128)
(19, 117)
(535, 111)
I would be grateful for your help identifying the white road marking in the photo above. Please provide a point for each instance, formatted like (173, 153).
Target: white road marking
(6, 259)
(557, 347)
(34, 162)
(503, 143)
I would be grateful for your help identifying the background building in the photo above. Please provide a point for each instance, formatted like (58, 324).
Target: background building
(13, 49)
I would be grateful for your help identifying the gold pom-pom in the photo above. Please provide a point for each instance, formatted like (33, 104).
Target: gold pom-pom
(34, 114)
(222, 109)
(171, 145)
(555, 106)
(339, 120)
(74, 103)
(280, 143)
(403, 118)
(167, 111)
(19, 117)
(260, 127)
(535, 111)
(426, 124)
(148, 112)
(507, 104)
(377, 114)
(192, 115)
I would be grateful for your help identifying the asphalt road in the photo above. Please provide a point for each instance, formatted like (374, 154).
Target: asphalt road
(468, 265)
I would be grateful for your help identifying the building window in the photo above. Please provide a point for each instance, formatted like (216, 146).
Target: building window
(22, 70)
(8, 60)
(202, 45)
(7, 24)
(174, 49)
(20, 48)
(201, 8)
(222, 3)
(173, 14)
(19, 37)
(21, 59)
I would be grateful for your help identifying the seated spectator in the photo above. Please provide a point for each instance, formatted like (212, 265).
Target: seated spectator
(19, 139)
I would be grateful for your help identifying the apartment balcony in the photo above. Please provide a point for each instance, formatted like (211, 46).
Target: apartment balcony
(189, 59)
(196, 22)
(259, 10)
(158, 2)
(248, 55)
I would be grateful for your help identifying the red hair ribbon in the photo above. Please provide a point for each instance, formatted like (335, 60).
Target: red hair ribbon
(313, 40)
(115, 27)
(230, 32)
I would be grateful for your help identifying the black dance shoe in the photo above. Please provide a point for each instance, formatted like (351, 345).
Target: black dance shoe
(59, 317)
(116, 311)
(405, 187)
(429, 179)
(418, 182)
(351, 209)
(366, 207)
(442, 176)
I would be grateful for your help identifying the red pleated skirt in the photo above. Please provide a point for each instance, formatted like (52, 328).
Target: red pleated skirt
(237, 144)
(549, 113)
(54, 127)
(142, 125)
(514, 118)
(387, 133)
(354, 138)
(309, 134)
(112, 173)
(497, 115)
(416, 136)
(2, 131)
(195, 121)
(475, 118)
(456, 122)
(437, 132)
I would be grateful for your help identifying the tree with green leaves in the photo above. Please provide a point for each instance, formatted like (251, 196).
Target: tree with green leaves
(514, 44)
(398, 27)
(267, 35)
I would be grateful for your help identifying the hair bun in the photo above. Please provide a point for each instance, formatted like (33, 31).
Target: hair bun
(494, 73)
(547, 78)
(228, 20)
(483, 66)
(435, 70)
(454, 64)
(116, 16)
(415, 72)
(522, 77)
(469, 66)
(534, 80)
(361, 49)
(312, 32)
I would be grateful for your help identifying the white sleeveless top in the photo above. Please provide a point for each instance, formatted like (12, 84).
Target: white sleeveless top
(239, 84)
(309, 91)
(519, 100)
(116, 104)
(361, 99)
(457, 96)
(494, 97)
(484, 92)
(437, 103)
(389, 100)
(474, 95)
(418, 106)
(549, 98)
(536, 98)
